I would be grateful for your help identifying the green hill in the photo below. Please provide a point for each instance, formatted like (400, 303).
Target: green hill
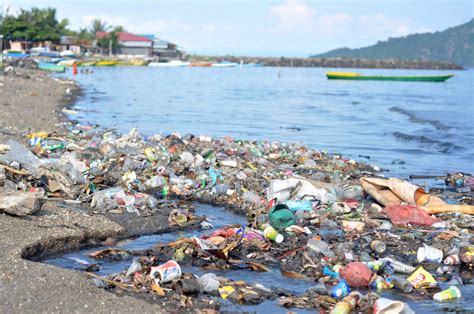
(455, 44)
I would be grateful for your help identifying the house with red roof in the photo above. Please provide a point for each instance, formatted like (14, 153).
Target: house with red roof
(131, 45)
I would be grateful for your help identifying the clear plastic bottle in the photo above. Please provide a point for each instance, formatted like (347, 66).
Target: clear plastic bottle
(208, 283)
(319, 246)
(252, 198)
(402, 284)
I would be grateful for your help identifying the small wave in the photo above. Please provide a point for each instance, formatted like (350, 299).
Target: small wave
(413, 118)
(444, 147)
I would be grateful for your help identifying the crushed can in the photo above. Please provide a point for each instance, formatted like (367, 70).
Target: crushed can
(166, 272)
(378, 246)
(452, 260)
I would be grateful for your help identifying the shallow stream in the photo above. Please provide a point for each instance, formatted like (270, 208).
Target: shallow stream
(220, 217)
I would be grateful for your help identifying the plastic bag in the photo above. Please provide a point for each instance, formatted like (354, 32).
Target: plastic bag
(405, 214)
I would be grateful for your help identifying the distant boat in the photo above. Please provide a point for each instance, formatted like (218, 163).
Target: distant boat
(224, 64)
(67, 53)
(251, 65)
(51, 67)
(85, 63)
(411, 78)
(132, 62)
(16, 54)
(67, 63)
(50, 54)
(173, 63)
(106, 63)
(200, 64)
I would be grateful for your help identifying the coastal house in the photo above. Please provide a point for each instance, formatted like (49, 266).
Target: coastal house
(166, 50)
(71, 43)
(20, 45)
(131, 45)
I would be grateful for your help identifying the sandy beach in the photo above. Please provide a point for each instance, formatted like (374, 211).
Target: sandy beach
(32, 101)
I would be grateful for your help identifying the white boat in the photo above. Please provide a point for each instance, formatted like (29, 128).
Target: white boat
(224, 64)
(67, 63)
(67, 53)
(173, 63)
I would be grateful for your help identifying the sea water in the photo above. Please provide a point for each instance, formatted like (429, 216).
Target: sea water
(405, 127)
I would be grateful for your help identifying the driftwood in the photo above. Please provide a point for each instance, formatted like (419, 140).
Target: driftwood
(437, 209)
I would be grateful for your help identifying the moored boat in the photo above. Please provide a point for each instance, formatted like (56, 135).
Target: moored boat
(224, 64)
(200, 64)
(67, 63)
(51, 67)
(106, 63)
(251, 65)
(406, 78)
(85, 63)
(173, 63)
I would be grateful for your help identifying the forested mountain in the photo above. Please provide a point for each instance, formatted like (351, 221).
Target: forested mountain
(455, 44)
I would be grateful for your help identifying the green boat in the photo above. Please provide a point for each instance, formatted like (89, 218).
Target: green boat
(51, 67)
(360, 77)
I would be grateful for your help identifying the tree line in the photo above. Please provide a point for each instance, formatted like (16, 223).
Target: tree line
(38, 25)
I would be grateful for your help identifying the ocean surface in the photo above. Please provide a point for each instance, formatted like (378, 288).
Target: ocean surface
(405, 127)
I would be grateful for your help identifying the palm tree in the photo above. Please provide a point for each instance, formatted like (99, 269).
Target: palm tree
(99, 26)
(119, 29)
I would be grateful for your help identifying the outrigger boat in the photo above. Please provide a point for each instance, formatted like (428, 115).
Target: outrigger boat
(51, 67)
(200, 64)
(172, 63)
(106, 63)
(408, 78)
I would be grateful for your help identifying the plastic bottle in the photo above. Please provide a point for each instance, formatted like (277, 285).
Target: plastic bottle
(397, 266)
(252, 198)
(208, 283)
(134, 267)
(319, 246)
(402, 284)
(99, 198)
(155, 182)
(21, 155)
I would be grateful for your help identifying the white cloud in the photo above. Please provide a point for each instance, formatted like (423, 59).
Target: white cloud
(333, 23)
(293, 13)
(8, 8)
(110, 20)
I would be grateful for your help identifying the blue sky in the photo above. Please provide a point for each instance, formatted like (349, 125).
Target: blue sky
(270, 28)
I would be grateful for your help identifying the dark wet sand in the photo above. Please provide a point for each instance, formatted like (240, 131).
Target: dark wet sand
(30, 102)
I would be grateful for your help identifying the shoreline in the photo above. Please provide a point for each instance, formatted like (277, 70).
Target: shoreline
(31, 287)
(357, 63)
(56, 229)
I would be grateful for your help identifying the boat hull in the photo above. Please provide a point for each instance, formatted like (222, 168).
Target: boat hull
(359, 77)
(106, 63)
(51, 67)
(224, 65)
(201, 64)
(168, 64)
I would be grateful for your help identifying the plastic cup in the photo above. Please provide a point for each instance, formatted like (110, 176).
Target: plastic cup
(385, 306)
(428, 253)
(451, 293)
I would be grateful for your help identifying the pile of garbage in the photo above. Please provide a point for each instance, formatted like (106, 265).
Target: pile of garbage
(312, 215)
